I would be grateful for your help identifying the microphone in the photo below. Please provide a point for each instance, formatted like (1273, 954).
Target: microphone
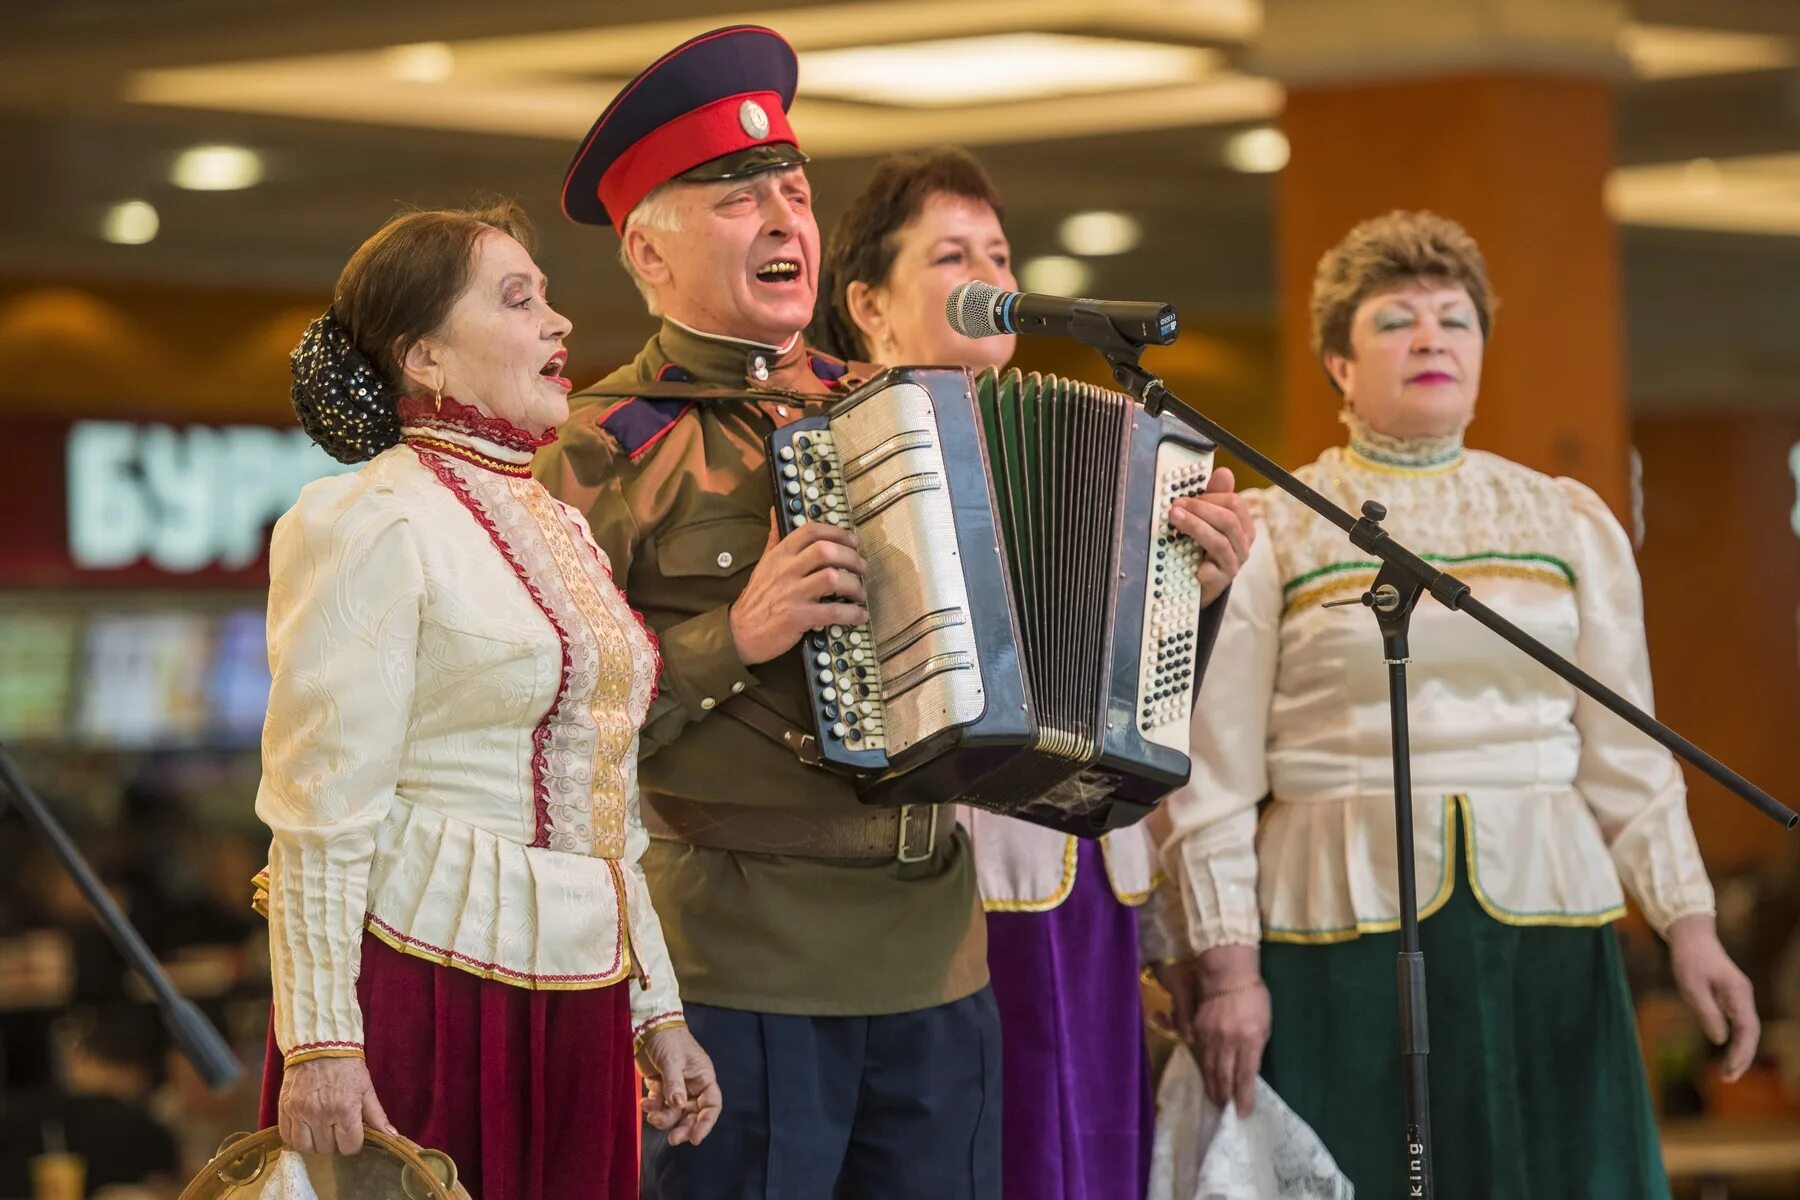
(977, 310)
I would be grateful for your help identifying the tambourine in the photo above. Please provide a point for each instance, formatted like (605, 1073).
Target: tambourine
(259, 1166)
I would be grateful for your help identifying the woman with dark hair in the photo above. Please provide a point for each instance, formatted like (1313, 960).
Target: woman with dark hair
(1535, 809)
(1063, 950)
(462, 945)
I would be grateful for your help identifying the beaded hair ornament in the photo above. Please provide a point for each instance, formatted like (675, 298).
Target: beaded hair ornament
(344, 404)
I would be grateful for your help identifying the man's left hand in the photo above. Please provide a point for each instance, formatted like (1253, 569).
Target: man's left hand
(1219, 521)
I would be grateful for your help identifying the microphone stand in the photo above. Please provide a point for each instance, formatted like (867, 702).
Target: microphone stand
(1403, 577)
(189, 1028)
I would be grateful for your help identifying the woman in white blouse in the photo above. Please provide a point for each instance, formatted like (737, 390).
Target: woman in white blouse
(462, 944)
(1533, 804)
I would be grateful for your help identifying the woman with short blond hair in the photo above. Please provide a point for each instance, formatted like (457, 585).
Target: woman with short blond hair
(1533, 804)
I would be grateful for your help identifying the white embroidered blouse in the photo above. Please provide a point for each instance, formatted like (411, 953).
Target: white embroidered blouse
(1557, 798)
(450, 754)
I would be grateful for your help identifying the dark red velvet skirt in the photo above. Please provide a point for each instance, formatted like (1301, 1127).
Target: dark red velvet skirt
(533, 1094)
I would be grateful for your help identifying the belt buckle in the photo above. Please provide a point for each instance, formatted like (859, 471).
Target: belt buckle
(906, 850)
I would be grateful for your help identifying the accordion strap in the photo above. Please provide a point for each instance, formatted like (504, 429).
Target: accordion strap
(777, 728)
(670, 389)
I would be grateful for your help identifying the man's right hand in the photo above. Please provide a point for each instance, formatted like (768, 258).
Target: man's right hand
(789, 589)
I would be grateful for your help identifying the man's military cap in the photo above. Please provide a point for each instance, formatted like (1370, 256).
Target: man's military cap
(715, 107)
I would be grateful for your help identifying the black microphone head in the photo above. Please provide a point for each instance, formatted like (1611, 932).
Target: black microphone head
(970, 309)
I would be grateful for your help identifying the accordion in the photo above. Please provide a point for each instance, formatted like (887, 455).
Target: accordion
(1034, 621)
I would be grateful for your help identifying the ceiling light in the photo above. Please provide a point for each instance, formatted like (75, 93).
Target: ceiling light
(421, 62)
(1678, 52)
(216, 169)
(996, 68)
(1257, 151)
(130, 223)
(1055, 275)
(1097, 234)
(1703, 176)
(1757, 194)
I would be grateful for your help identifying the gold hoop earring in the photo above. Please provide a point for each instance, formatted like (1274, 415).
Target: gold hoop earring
(437, 399)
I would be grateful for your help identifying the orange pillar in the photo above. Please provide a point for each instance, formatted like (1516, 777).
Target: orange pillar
(1520, 158)
(1721, 567)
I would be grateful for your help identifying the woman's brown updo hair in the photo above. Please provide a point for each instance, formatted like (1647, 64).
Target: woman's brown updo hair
(397, 288)
(863, 246)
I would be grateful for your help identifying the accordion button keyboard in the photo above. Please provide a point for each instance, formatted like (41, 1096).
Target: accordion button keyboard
(1166, 677)
(846, 683)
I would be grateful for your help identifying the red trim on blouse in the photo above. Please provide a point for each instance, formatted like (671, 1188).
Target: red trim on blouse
(540, 737)
(643, 1026)
(496, 968)
(471, 456)
(450, 413)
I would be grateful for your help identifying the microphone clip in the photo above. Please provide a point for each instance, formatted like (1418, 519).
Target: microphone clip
(1089, 326)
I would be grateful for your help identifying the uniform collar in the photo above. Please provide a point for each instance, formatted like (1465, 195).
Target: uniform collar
(735, 362)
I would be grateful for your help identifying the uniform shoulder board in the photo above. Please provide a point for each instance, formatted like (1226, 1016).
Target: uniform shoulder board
(637, 423)
(826, 367)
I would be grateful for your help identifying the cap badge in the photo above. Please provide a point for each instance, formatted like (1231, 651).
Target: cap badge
(754, 120)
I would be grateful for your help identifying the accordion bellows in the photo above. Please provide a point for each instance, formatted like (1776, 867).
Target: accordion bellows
(1032, 642)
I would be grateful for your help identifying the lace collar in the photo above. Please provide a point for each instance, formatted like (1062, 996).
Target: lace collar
(462, 430)
(1421, 455)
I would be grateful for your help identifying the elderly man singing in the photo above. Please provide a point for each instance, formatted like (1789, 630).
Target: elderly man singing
(831, 955)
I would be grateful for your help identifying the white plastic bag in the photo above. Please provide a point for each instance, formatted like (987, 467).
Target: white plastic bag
(1201, 1153)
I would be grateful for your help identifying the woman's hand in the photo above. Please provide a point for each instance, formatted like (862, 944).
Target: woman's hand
(682, 1091)
(325, 1102)
(1716, 990)
(1221, 1007)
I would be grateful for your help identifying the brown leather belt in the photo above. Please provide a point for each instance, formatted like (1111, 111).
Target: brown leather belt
(910, 834)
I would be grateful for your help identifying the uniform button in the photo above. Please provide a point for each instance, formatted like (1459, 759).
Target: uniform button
(724, 559)
(737, 687)
(759, 367)
(709, 704)
(781, 410)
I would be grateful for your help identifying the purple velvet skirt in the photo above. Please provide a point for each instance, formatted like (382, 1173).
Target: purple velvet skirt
(1078, 1115)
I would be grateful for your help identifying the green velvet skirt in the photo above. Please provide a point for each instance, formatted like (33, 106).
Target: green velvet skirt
(1538, 1089)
